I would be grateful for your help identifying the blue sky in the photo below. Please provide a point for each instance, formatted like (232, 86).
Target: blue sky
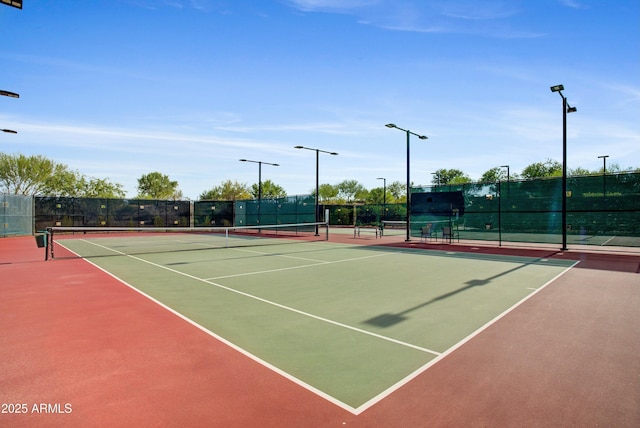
(120, 88)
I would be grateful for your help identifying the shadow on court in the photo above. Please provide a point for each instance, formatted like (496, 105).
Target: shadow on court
(388, 320)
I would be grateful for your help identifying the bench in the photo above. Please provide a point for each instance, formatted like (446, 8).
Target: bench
(366, 229)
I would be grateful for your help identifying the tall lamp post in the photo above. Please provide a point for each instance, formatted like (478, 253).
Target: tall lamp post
(566, 108)
(259, 180)
(384, 197)
(422, 137)
(508, 178)
(436, 175)
(506, 166)
(604, 174)
(10, 95)
(318, 151)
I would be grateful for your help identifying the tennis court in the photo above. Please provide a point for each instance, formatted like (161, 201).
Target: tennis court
(325, 333)
(350, 323)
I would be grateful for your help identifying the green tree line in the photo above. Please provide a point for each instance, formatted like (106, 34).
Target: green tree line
(38, 175)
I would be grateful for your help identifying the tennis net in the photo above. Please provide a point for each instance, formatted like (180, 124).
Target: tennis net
(110, 241)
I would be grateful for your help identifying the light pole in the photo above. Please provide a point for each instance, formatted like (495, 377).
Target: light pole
(318, 151)
(10, 95)
(259, 180)
(437, 177)
(604, 174)
(566, 108)
(506, 166)
(422, 137)
(384, 196)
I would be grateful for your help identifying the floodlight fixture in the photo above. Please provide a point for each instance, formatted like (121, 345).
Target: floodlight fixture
(571, 109)
(316, 150)
(14, 3)
(259, 162)
(9, 131)
(557, 88)
(9, 94)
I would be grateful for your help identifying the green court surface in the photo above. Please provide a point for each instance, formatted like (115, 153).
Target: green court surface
(350, 323)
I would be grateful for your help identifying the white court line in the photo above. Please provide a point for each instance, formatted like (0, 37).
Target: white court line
(278, 305)
(319, 263)
(449, 351)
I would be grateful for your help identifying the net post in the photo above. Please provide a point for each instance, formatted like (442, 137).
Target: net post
(326, 223)
(48, 243)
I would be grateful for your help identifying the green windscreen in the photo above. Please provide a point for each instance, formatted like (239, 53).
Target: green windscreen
(89, 212)
(287, 210)
(16, 215)
(601, 210)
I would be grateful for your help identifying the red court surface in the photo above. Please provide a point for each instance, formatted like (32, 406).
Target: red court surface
(78, 348)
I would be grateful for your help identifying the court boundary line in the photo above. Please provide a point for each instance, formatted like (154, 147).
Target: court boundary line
(459, 344)
(354, 410)
(317, 263)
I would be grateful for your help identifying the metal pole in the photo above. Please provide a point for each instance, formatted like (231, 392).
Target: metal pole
(422, 137)
(604, 176)
(564, 174)
(408, 193)
(317, 186)
(259, 192)
(499, 213)
(384, 199)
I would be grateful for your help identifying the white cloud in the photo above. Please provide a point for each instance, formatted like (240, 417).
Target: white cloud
(330, 5)
(574, 4)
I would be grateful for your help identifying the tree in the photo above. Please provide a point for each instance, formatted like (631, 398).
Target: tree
(227, 191)
(328, 193)
(349, 190)
(36, 175)
(494, 175)
(398, 190)
(269, 190)
(64, 182)
(580, 171)
(611, 168)
(376, 196)
(103, 188)
(157, 186)
(450, 176)
(548, 168)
